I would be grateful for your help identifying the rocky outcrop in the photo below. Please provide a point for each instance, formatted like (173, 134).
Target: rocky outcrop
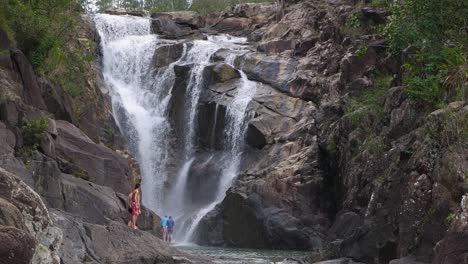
(97, 163)
(85, 184)
(124, 11)
(111, 243)
(177, 25)
(372, 188)
(26, 231)
(31, 93)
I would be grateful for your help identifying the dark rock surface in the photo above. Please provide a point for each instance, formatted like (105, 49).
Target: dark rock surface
(101, 164)
(31, 91)
(58, 102)
(26, 231)
(110, 243)
(85, 184)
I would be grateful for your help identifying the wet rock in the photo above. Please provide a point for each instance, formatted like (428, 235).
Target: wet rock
(177, 25)
(31, 93)
(233, 25)
(189, 18)
(255, 137)
(211, 120)
(338, 261)
(406, 260)
(103, 166)
(224, 72)
(167, 54)
(273, 70)
(177, 102)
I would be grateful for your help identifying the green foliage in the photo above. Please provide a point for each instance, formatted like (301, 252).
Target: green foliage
(380, 3)
(34, 131)
(450, 218)
(204, 7)
(431, 38)
(43, 29)
(354, 21)
(361, 52)
(374, 144)
(79, 173)
(371, 102)
(353, 27)
(427, 73)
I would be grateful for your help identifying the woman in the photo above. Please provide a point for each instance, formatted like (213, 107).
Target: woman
(134, 203)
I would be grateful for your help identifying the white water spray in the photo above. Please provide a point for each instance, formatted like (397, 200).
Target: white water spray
(141, 100)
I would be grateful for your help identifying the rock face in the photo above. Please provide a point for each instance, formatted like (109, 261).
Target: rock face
(176, 25)
(84, 184)
(110, 243)
(100, 164)
(26, 231)
(360, 187)
(58, 102)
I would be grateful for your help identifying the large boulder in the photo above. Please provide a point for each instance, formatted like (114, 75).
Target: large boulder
(233, 25)
(17, 246)
(112, 243)
(102, 165)
(224, 72)
(26, 231)
(167, 54)
(188, 18)
(276, 71)
(177, 25)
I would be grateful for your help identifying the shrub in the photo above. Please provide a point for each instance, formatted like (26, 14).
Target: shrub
(371, 101)
(34, 131)
(43, 29)
(430, 37)
(212, 6)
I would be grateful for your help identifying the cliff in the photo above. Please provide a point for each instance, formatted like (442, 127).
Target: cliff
(341, 160)
(63, 190)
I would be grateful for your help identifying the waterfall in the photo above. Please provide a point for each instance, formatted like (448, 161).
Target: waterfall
(141, 99)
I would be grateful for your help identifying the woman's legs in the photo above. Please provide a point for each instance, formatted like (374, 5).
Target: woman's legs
(134, 219)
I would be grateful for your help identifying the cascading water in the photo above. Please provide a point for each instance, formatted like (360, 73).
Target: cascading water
(141, 97)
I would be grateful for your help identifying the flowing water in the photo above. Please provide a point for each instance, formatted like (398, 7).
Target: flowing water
(243, 255)
(141, 98)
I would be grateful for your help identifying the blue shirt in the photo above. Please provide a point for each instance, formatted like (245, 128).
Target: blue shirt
(170, 223)
(164, 222)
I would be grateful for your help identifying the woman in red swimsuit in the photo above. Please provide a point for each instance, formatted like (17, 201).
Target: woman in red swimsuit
(134, 202)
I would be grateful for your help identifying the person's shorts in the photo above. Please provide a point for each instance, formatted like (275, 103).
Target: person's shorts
(164, 228)
(135, 209)
(170, 231)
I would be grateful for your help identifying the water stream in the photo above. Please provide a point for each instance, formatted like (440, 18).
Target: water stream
(141, 98)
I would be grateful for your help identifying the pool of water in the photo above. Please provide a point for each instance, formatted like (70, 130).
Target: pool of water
(225, 255)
